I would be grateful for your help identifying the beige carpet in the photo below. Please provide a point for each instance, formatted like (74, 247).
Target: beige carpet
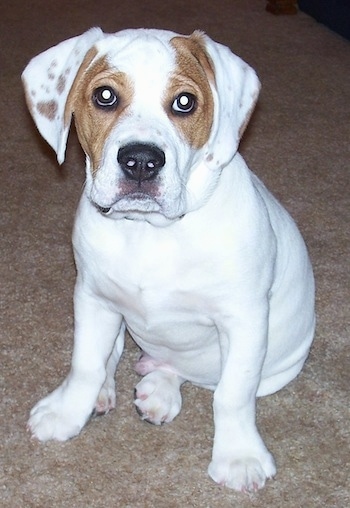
(298, 143)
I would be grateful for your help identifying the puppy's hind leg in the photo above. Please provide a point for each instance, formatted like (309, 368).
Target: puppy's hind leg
(157, 396)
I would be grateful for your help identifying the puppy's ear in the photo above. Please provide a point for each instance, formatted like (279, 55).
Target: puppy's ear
(47, 81)
(235, 94)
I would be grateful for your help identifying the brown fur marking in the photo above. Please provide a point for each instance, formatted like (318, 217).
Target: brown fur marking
(94, 125)
(47, 109)
(193, 74)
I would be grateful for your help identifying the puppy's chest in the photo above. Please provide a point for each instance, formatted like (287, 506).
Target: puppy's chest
(156, 282)
(151, 282)
(163, 311)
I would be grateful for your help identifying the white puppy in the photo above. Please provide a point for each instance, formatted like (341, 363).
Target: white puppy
(175, 239)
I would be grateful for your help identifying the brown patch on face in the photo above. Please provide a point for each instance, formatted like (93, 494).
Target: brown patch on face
(94, 124)
(194, 72)
(47, 109)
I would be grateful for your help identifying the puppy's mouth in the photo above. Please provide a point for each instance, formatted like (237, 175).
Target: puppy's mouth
(132, 203)
(140, 207)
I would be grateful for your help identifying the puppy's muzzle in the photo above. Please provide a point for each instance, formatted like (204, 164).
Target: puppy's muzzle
(141, 162)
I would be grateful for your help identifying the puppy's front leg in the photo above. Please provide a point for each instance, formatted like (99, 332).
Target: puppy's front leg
(240, 458)
(62, 414)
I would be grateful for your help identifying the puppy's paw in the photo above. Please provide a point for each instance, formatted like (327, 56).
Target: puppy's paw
(158, 397)
(56, 418)
(146, 364)
(243, 473)
(106, 400)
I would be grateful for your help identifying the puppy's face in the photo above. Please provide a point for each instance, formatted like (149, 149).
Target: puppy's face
(157, 114)
(143, 112)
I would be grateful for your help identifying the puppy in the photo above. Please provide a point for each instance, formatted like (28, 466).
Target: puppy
(175, 239)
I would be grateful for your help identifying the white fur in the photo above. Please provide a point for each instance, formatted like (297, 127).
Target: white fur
(212, 278)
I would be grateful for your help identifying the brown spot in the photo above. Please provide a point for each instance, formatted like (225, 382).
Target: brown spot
(193, 74)
(50, 70)
(61, 84)
(94, 125)
(47, 109)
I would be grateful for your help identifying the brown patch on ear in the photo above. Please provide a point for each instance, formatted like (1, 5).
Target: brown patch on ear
(93, 124)
(194, 73)
(47, 109)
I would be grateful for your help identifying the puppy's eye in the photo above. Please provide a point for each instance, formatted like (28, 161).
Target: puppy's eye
(105, 97)
(184, 103)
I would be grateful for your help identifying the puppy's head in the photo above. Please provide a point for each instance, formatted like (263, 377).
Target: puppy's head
(157, 114)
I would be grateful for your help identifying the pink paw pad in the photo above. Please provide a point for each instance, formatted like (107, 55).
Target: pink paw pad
(104, 404)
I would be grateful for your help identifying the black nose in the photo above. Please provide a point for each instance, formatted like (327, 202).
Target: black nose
(141, 161)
